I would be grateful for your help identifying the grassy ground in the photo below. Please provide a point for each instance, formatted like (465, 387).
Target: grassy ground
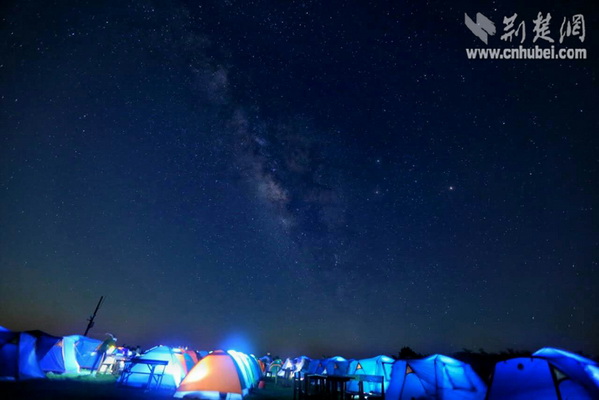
(61, 387)
(72, 388)
(273, 390)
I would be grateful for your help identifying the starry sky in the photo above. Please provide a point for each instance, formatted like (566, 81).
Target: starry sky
(297, 177)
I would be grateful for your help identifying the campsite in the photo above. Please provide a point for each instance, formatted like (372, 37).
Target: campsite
(36, 365)
(299, 200)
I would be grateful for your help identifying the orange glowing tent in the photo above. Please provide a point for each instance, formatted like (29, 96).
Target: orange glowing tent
(214, 374)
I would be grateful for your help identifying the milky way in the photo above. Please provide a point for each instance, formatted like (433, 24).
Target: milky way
(310, 179)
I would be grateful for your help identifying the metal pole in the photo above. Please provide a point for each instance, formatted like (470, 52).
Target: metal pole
(90, 320)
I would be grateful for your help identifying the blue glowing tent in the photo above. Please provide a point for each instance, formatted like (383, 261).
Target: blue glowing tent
(248, 366)
(61, 358)
(85, 350)
(21, 352)
(336, 366)
(266, 359)
(577, 368)
(257, 371)
(316, 366)
(436, 377)
(376, 366)
(286, 369)
(302, 363)
(293, 366)
(548, 374)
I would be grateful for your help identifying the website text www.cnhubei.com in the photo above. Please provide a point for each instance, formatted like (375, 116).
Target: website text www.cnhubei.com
(527, 53)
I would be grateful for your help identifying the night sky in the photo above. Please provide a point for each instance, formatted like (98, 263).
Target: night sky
(297, 178)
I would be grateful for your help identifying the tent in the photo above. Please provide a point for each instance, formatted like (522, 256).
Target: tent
(266, 359)
(316, 366)
(293, 366)
(21, 352)
(187, 359)
(275, 366)
(576, 367)
(193, 355)
(301, 363)
(248, 365)
(218, 372)
(436, 377)
(85, 350)
(62, 357)
(547, 374)
(262, 366)
(202, 353)
(288, 369)
(378, 366)
(256, 369)
(136, 375)
(336, 366)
